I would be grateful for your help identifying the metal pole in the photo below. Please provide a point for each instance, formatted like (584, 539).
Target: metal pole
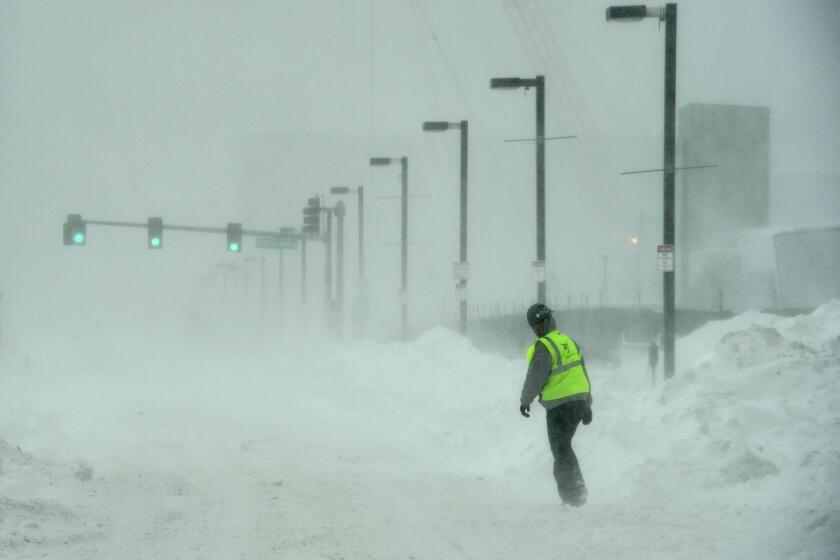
(281, 273)
(463, 282)
(282, 267)
(303, 269)
(668, 179)
(404, 259)
(339, 267)
(361, 193)
(328, 261)
(361, 288)
(262, 295)
(541, 182)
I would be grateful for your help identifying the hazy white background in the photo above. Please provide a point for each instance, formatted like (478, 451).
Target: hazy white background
(208, 112)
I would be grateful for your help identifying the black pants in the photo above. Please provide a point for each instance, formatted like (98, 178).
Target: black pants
(562, 423)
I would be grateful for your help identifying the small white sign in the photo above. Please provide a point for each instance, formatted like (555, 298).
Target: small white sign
(461, 271)
(665, 258)
(538, 267)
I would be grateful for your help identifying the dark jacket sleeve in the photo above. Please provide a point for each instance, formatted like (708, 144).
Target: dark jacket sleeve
(537, 375)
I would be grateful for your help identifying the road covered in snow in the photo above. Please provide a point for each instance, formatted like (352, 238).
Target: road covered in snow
(417, 451)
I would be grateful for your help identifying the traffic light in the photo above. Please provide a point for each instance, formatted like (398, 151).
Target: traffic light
(155, 226)
(312, 216)
(234, 237)
(75, 230)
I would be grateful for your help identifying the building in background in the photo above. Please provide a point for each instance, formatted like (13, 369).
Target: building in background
(807, 266)
(718, 206)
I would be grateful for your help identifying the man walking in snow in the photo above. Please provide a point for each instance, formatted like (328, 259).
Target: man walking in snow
(557, 373)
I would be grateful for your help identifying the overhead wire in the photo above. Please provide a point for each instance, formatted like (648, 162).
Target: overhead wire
(472, 113)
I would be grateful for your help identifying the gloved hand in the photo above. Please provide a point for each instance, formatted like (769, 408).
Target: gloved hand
(587, 415)
(524, 409)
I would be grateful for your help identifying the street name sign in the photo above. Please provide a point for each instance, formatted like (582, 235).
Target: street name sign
(276, 243)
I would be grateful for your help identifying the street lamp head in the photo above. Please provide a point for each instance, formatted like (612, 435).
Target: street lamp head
(380, 161)
(339, 190)
(627, 13)
(436, 125)
(505, 83)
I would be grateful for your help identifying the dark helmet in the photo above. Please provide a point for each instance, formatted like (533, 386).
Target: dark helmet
(538, 314)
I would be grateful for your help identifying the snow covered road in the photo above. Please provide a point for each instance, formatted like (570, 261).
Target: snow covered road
(417, 451)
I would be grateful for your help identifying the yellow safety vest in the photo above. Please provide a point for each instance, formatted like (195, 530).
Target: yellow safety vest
(568, 380)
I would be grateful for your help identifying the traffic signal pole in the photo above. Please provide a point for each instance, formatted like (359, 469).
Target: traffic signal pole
(195, 229)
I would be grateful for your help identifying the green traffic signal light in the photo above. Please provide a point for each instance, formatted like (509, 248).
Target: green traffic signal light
(155, 229)
(75, 230)
(234, 237)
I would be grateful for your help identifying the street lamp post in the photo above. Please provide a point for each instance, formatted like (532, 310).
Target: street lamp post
(339, 267)
(462, 281)
(360, 190)
(328, 260)
(669, 14)
(404, 237)
(539, 84)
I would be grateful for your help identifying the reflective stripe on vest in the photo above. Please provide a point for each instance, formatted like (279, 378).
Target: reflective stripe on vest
(568, 379)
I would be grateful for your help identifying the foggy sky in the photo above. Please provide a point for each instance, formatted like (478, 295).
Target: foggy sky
(213, 112)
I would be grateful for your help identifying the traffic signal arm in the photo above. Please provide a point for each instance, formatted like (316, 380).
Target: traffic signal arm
(74, 230)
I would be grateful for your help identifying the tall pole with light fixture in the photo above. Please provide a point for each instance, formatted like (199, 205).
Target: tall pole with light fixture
(339, 267)
(463, 271)
(361, 251)
(669, 15)
(403, 238)
(539, 84)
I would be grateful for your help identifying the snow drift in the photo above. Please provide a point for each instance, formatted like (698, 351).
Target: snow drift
(417, 450)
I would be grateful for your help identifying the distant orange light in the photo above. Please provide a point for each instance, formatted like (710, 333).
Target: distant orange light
(634, 240)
